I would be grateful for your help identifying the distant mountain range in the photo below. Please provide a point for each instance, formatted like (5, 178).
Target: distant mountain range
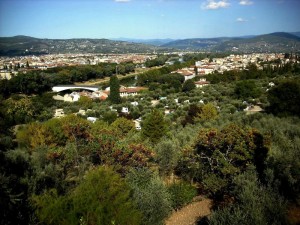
(155, 42)
(204, 44)
(274, 42)
(24, 45)
(296, 33)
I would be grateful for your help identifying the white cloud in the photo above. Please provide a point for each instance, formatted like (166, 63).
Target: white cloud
(245, 2)
(241, 20)
(122, 1)
(212, 4)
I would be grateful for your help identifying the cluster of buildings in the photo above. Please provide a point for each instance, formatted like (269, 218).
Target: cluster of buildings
(13, 65)
(235, 62)
(201, 68)
(98, 94)
(231, 62)
(75, 96)
(10, 66)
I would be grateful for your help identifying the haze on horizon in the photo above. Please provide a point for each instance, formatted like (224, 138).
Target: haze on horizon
(147, 19)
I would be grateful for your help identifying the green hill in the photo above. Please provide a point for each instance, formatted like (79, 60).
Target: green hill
(196, 43)
(23, 45)
(274, 42)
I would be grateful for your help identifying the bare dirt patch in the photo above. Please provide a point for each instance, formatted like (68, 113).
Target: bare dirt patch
(189, 214)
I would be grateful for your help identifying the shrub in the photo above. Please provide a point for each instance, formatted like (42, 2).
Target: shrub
(181, 194)
(101, 198)
(256, 204)
(151, 196)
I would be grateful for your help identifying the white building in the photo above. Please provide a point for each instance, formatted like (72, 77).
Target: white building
(92, 119)
(188, 74)
(134, 103)
(201, 83)
(59, 113)
(137, 124)
(6, 75)
(125, 110)
(73, 97)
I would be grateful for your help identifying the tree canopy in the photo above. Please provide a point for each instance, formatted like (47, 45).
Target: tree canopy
(246, 89)
(114, 95)
(284, 98)
(154, 126)
(101, 198)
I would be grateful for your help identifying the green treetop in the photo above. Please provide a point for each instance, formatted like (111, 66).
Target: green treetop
(188, 86)
(114, 85)
(103, 197)
(154, 126)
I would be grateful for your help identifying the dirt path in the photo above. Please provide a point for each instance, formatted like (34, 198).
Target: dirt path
(189, 214)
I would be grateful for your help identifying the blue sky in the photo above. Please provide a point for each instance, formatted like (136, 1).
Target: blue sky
(147, 18)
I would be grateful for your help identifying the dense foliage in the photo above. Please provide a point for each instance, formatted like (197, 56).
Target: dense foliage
(284, 98)
(102, 197)
(193, 141)
(159, 61)
(256, 204)
(37, 82)
(114, 95)
(154, 126)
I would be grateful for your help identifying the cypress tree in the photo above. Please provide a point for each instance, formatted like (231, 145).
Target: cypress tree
(114, 85)
(154, 126)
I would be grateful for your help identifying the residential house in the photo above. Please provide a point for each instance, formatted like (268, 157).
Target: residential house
(201, 83)
(59, 113)
(134, 103)
(126, 91)
(187, 73)
(92, 119)
(130, 91)
(125, 110)
(137, 124)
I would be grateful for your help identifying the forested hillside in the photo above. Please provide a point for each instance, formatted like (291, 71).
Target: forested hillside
(274, 42)
(193, 141)
(24, 45)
